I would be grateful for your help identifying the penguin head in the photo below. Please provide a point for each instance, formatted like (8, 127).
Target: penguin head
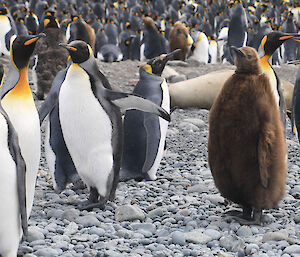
(22, 48)
(246, 60)
(51, 22)
(3, 10)
(156, 65)
(79, 51)
(272, 41)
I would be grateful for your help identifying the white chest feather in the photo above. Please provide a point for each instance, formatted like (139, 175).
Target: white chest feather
(5, 27)
(163, 130)
(86, 128)
(273, 82)
(201, 50)
(10, 231)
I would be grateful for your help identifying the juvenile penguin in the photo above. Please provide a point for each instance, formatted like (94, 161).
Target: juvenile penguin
(13, 216)
(86, 107)
(145, 133)
(179, 38)
(246, 147)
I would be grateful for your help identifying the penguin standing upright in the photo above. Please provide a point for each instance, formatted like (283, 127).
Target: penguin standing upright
(17, 101)
(201, 47)
(13, 214)
(179, 38)
(145, 133)
(246, 145)
(296, 106)
(237, 32)
(7, 32)
(87, 107)
(51, 58)
(269, 44)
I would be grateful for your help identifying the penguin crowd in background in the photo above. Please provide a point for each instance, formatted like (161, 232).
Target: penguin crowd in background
(142, 30)
(67, 37)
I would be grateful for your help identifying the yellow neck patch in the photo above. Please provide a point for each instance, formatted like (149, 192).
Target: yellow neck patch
(22, 89)
(148, 68)
(264, 62)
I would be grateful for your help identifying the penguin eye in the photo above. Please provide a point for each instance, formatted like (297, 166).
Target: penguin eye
(249, 56)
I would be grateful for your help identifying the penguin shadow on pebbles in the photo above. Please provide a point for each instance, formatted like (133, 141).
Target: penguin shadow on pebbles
(83, 92)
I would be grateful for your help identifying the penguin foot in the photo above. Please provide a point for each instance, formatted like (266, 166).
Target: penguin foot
(247, 216)
(78, 185)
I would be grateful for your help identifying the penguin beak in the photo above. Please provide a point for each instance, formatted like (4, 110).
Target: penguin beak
(235, 50)
(70, 48)
(170, 55)
(288, 36)
(34, 39)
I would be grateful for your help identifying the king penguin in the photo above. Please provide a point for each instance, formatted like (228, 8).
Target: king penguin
(296, 105)
(8, 30)
(246, 147)
(145, 133)
(269, 44)
(17, 101)
(87, 107)
(12, 188)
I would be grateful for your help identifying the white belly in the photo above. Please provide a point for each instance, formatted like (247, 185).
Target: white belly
(10, 230)
(25, 119)
(201, 51)
(87, 129)
(163, 130)
(5, 27)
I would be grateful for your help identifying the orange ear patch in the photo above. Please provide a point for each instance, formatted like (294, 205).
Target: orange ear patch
(30, 41)
(285, 37)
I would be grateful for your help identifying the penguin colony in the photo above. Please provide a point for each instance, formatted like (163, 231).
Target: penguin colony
(208, 31)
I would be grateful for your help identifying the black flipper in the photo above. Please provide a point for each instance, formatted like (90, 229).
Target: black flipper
(52, 98)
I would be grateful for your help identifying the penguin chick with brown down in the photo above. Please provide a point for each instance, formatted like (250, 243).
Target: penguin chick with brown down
(246, 146)
(51, 57)
(179, 38)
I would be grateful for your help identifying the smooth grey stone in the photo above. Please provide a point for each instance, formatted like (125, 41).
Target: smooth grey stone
(47, 252)
(197, 122)
(144, 226)
(158, 212)
(59, 238)
(187, 126)
(241, 253)
(129, 213)
(199, 188)
(71, 214)
(55, 213)
(250, 247)
(37, 242)
(293, 249)
(214, 234)
(214, 199)
(244, 231)
(178, 238)
(71, 229)
(63, 245)
(81, 237)
(231, 243)
(213, 244)
(282, 244)
(97, 231)
(273, 236)
(34, 233)
(88, 221)
(29, 255)
(145, 241)
(186, 252)
(197, 237)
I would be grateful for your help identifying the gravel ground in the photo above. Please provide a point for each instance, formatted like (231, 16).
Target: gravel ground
(179, 214)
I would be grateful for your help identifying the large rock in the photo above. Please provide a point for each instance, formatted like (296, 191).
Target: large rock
(34, 233)
(231, 243)
(88, 221)
(197, 237)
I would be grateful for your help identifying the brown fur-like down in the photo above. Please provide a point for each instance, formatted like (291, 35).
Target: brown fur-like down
(178, 39)
(246, 146)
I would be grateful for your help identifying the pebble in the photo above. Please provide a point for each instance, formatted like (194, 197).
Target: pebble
(197, 237)
(273, 236)
(129, 213)
(34, 233)
(178, 238)
(88, 221)
(231, 243)
(71, 229)
(292, 249)
(214, 234)
(244, 231)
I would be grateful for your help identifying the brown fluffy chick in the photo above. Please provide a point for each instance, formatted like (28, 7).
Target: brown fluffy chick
(246, 145)
(51, 57)
(179, 38)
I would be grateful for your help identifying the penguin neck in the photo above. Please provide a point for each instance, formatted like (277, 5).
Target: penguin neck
(21, 89)
(265, 65)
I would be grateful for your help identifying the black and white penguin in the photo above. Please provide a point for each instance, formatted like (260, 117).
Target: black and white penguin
(145, 133)
(13, 216)
(18, 103)
(8, 30)
(246, 146)
(86, 107)
(110, 53)
(269, 44)
(296, 106)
